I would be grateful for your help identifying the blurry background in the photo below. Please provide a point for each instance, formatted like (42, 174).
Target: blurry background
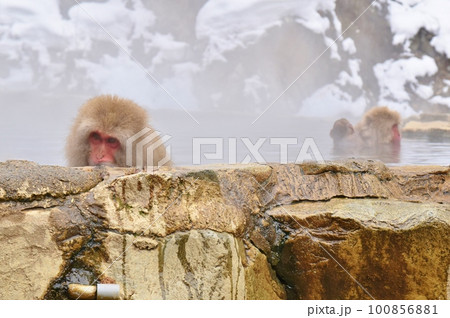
(223, 63)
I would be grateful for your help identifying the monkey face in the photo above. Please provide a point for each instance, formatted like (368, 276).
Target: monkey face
(101, 130)
(103, 149)
(395, 135)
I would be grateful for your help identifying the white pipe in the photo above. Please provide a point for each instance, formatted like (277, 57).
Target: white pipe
(108, 291)
(100, 292)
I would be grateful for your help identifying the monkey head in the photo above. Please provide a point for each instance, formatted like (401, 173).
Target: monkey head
(99, 133)
(380, 125)
(342, 128)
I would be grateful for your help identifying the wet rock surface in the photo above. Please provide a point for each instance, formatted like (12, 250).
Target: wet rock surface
(342, 230)
(434, 131)
(27, 181)
(393, 249)
(435, 127)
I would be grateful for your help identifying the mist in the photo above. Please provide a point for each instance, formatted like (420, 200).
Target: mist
(226, 69)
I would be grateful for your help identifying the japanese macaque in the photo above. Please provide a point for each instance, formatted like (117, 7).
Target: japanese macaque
(379, 126)
(101, 130)
(377, 136)
(345, 139)
(342, 132)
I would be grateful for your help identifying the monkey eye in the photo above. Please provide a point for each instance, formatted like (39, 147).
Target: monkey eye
(95, 136)
(113, 142)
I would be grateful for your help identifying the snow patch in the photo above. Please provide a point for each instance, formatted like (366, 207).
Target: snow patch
(348, 45)
(407, 17)
(394, 75)
(441, 100)
(332, 101)
(353, 78)
(229, 24)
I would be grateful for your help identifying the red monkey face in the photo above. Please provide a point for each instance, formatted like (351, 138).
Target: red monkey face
(395, 135)
(103, 149)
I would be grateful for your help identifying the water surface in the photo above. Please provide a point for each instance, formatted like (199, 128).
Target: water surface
(22, 136)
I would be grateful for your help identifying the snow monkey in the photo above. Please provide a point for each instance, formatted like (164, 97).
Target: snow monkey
(379, 126)
(100, 132)
(342, 132)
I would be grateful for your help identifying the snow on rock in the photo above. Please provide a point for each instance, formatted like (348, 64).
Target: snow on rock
(117, 46)
(169, 50)
(21, 18)
(407, 17)
(229, 24)
(121, 24)
(396, 76)
(441, 100)
(349, 46)
(332, 101)
(353, 78)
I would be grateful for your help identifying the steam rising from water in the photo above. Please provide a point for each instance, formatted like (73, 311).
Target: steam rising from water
(225, 61)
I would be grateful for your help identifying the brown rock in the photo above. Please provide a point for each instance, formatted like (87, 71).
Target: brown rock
(180, 233)
(161, 204)
(260, 279)
(353, 249)
(192, 265)
(27, 181)
(145, 243)
(29, 255)
(433, 130)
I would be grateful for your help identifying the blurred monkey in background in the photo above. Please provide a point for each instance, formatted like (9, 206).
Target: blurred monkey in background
(379, 126)
(377, 134)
